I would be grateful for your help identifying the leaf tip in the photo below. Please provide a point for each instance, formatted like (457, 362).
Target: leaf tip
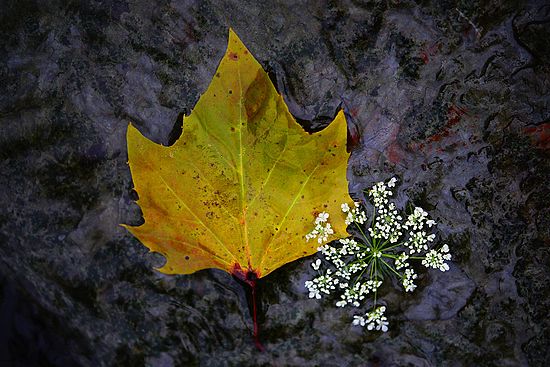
(131, 129)
(235, 45)
(340, 113)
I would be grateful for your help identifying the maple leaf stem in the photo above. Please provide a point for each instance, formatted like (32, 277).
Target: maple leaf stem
(256, 332)
(249, 281)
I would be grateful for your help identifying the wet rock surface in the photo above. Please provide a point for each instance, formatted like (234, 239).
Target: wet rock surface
(452, 97)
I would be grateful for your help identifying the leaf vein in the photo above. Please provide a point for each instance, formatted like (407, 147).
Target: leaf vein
(155, 236)
(288, 212)
(197, 218)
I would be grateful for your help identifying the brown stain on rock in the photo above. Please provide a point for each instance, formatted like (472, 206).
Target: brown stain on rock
(539, 135)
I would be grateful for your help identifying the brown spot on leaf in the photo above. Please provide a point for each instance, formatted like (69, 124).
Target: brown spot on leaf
(233, 56)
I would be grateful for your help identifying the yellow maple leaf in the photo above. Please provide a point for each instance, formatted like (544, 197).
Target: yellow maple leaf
(241, 187)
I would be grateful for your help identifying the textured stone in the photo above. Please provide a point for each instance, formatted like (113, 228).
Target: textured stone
(452, 97)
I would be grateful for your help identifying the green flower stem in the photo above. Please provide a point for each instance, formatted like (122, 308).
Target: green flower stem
(362, 245)
(392, 269)
(372, 224)
(362, 233)
(359, 277)
(373, 217)
(355, 262)
(394, 246)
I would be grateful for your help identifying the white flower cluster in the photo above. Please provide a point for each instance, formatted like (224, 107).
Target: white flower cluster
(349, 246)
(387, 247)
(354, 215)
(374, 319)
(387, 224)
(418, 241)
(336, 254)
(436, 259)
(322, 229)
(380, 193)
(416, 224)
(408, 279)
(358, 292)
(401, 261)
(416, 219)
(323, 284)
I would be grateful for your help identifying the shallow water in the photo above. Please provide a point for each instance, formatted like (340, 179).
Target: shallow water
(452, 98)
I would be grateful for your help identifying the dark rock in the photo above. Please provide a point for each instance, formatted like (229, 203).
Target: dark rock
(450, 96)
